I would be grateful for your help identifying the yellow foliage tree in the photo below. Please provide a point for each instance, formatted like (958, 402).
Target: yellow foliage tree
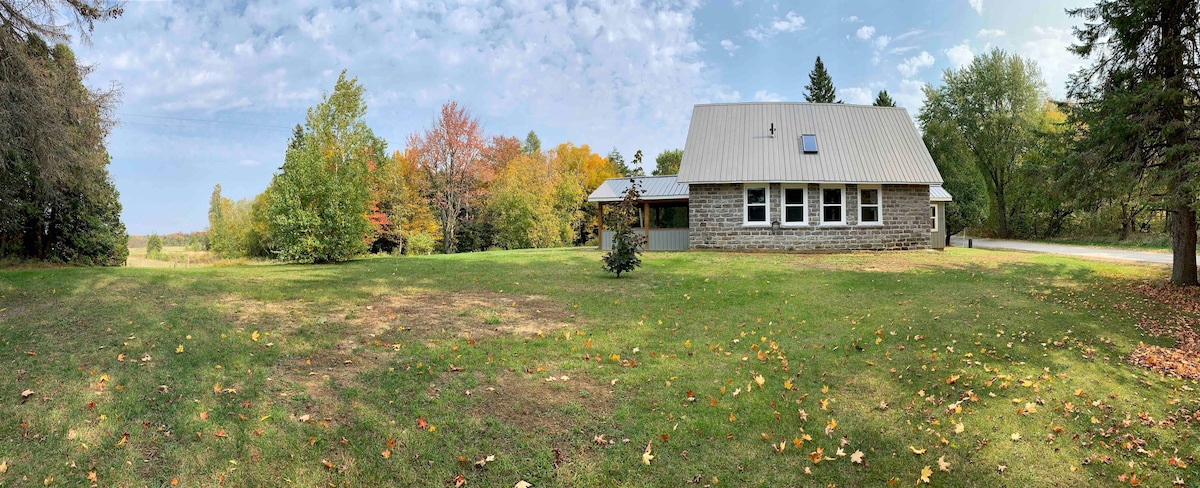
(589, 170)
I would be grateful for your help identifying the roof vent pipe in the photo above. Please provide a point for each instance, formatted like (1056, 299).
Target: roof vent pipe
(772, 129)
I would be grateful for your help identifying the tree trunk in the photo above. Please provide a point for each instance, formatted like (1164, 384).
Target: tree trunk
(1183, 245)
(1002, 212)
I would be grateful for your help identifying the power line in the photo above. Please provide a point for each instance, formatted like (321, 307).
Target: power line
(209, 121)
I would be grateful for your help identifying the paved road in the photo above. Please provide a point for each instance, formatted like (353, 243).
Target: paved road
(1081, 251)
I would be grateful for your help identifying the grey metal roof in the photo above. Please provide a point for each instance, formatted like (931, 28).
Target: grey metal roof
(939, 194)
(731, 143)
(653, 188)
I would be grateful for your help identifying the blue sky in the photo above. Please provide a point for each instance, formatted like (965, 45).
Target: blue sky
(211, 89)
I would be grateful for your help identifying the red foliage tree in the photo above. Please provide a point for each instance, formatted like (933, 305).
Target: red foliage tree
(450, 157)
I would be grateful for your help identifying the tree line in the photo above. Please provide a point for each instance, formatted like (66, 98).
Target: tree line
(452, 188)
(57, 201)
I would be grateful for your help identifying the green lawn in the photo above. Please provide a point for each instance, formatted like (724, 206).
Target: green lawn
(266, 375)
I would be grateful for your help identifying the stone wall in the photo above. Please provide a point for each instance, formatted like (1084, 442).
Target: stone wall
(716, 215)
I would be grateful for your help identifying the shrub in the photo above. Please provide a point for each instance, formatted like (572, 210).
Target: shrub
(419, 244)
(154, 246)
(624, 254)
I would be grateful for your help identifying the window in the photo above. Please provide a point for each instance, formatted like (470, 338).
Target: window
(794, 209)
(756, 205)
(810, 143)
(868, 206)
(933, 217)
(832, 205)
(668, 216)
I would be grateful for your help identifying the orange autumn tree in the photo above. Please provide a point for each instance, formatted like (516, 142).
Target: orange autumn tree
(588, 170)
(450, 160)
(401, 210)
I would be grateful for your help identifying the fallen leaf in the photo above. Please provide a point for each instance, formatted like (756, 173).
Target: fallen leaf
(221, 433)
(817, 455)
(92, 477)
(483, 462)
(179, 349)
(3, 466)
(1016, 436)
(857, 457)
(203, 415)
(830, 426)
(327, 464)
(522, 484)
(458, 480)
(916, 451)
(254, 336)
(760, 380)
(943, 465)
(421, 424)
(1002, 468)
(646, 456)
(26, 393)
(925, 474)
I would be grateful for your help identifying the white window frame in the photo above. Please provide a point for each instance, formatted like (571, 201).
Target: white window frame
(746, 187)
(841, 189)
(878, 204)
(784, 204)
(933, 215)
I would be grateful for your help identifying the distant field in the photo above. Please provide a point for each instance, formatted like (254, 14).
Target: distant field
(966, 367)
(181, 257)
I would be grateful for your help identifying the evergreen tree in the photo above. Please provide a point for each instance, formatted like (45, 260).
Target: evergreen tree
(820, 85)
(1137, 109)
(884, 100)
(618, 161)
(626, 242)
(532, 144)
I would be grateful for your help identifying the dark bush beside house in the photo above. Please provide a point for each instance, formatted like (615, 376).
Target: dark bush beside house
(626, 243)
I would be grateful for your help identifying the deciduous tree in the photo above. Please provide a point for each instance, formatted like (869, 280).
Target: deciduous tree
(995, 105)
(626, 243)
(667, 162)
(450, 156)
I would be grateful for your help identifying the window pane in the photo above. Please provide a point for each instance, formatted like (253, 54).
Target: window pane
(756, 195)
(810, 143)
(669, 216)
(870, 197)
(793, 214)
(793, 196)
(870, 214)
(756, 213)
(831, 196)
(832, 214)
(932, 212)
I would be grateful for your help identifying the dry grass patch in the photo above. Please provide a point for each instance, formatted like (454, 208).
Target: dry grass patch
(479, 314)
(531, 403)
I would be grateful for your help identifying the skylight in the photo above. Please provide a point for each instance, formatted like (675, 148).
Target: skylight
(810, 143)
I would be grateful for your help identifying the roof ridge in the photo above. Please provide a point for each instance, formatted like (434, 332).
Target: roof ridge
(729, 104)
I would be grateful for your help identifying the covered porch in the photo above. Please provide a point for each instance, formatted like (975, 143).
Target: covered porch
(663, 215)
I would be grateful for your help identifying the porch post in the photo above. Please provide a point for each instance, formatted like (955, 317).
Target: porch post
(646, 222)
(600, 226)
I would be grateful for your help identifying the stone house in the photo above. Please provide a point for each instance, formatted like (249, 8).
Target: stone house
(797, 176)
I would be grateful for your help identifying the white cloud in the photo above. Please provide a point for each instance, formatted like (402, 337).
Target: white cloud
(729, 46)
(790, 22)
(990, 33)
(882, 42)
(248, 162)
(1049, 49)
(865, 32)
(857, 95)
(910, 96)
(911, 66)
(852, 19)
(977, 5)
(960, 55)
(765, 96)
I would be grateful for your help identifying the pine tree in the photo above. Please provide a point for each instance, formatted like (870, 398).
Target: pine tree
(884, 100)
(1137, 107)
(820, 85)
(532, 144)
